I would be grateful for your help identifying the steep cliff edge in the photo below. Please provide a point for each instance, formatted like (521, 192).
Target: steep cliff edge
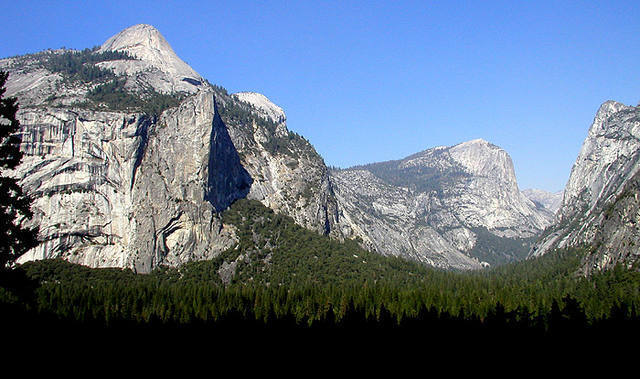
(599, 208)
(130, 155)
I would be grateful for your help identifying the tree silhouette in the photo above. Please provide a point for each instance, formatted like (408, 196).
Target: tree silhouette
(14, 205)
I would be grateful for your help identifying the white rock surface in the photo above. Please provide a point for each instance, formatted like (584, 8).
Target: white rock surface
(429, 206)
(602, 180)
(263, 104)
(549, 200)
(157, 64)
(119, 189)
(610, 143)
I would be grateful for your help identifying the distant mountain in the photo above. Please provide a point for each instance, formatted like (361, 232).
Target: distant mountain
(450, 207)
(548, 200)
(600, 207)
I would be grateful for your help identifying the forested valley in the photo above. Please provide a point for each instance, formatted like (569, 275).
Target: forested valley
(288, 278)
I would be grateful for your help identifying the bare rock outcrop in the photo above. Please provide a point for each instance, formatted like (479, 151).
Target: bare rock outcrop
(450, 207)
(600, 204)
(131, 156)
(122, 188)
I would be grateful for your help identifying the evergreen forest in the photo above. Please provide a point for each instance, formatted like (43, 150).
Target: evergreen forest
(285, 277)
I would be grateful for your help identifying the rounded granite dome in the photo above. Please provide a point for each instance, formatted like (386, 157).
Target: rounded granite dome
(146, 44)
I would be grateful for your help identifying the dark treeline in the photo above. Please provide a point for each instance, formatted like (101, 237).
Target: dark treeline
(306, 281)
(453, 302)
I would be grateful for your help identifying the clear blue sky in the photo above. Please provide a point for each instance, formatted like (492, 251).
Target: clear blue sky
(372, 81)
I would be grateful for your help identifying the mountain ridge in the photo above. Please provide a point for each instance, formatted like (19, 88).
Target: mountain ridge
(162, 177)
(116, 186)
(432, 205)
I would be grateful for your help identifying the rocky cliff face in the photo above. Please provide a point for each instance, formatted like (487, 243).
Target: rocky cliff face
(599, 207)
(118, 187)
(131, 155)
(288, 174)
(451, 207)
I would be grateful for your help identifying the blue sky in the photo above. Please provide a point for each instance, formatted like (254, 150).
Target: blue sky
(373, 81)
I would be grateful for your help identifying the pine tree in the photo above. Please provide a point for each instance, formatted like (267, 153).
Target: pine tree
(14, 205)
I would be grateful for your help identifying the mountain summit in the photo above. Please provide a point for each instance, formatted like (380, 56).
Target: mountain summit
(152, 51)
(600, 207)
(453, 206)
(480, 157)
(132, 158)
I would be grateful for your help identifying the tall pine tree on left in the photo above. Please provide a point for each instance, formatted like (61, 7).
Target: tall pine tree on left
(15, 206)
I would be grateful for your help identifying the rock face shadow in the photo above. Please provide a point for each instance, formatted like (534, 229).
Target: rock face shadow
(228, 180)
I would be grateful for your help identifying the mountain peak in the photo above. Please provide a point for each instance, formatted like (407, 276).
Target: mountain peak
(141, 41)
(607, 109)
(610, 106)
(484, 158)
(146, 43)
(475, 143)
(549, 200)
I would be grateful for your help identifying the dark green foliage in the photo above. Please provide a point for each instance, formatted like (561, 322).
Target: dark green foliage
(499, 250)
(14, 205)
(289, 277)
(239, 113)
(80, 66)
(218, 88)
(286, 276)
(300, 256)
(541, 297)
(113, 96)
